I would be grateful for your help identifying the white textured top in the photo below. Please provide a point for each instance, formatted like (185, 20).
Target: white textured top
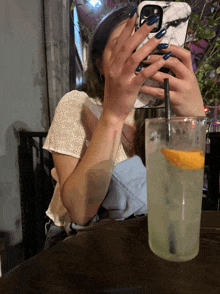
(68, 135)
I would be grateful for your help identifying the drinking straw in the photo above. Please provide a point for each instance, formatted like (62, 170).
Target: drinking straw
(167, 110)
(172, 246)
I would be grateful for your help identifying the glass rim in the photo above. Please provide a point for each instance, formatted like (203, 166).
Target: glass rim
(180, 118)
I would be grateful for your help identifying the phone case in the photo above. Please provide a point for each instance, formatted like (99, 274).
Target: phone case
(175, 18)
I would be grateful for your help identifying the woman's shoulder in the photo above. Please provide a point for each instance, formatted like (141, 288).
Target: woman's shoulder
(73, 96)
(78, 98)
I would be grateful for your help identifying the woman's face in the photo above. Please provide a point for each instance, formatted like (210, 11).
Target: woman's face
(110, 45)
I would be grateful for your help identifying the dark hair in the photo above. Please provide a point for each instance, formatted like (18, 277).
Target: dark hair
(94, 83)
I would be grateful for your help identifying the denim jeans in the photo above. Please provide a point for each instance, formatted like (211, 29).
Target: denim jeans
(126, 198)
(54, 234)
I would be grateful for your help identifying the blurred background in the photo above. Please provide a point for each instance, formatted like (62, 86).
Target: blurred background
(43, 56)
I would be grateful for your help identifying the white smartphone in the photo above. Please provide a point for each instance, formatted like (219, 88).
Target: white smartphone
(174, 17)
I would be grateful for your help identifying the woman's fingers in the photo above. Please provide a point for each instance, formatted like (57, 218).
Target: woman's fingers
(125, 34)
(153, 91)
(180, 70)
(145, 50)
(127, 48)
(185, 96)
(159, 93)
(173, 81)
(152, 69)
(182, 54)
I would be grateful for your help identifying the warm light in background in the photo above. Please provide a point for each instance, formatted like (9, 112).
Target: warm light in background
(95, 3)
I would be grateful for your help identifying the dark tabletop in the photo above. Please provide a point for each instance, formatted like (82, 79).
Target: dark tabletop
(114, 257)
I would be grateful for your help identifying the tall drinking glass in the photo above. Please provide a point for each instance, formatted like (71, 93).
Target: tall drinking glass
(174, 185)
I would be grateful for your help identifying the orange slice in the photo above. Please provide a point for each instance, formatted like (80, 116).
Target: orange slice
(191, 160)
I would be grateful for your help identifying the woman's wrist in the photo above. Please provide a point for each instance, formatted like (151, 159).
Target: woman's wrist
(112, 119)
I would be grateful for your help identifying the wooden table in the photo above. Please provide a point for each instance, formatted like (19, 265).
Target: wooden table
(114, 257)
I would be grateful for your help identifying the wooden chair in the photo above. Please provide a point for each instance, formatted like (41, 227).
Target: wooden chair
(36, 189)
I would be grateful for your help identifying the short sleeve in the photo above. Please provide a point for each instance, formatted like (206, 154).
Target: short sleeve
(67, 134)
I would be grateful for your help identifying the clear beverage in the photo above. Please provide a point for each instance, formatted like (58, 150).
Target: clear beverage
(174, 189)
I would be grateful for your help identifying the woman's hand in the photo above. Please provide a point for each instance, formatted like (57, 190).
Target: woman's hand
(119, 64)
(185, 96)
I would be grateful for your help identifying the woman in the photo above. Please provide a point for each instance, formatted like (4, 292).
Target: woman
(98, 181)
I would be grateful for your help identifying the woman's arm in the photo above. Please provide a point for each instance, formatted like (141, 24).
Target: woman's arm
(86, 187)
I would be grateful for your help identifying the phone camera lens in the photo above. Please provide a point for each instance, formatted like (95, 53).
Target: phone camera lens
(147, 12)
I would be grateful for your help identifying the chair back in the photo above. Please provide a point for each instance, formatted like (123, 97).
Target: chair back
(36, 189)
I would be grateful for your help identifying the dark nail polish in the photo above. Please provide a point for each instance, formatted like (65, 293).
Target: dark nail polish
(153, 20)
(167, 55)
(161, 33)
(133, 12)
(139, 68)
(162, 46)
